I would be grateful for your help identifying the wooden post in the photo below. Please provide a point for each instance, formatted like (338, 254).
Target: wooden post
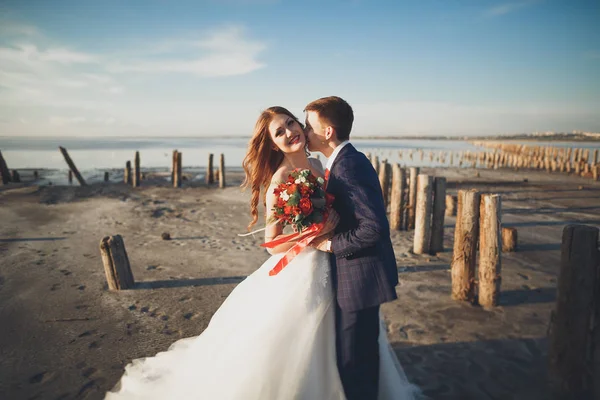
(423, 215)
(177, 169)
(375, 163)
(450, 205)
(4, 171)
(136, 170)
(412, 197)
(464, 257)
(106, 176)
(116, 263)
(397, 202)
(174, 166)
(36, 175)
(569, 338)
(489, 250)
(437, 219)
(15, 177)
(509, 239)
(70, 177)
(595, 159)
(72, 166)
(222, 171)
(210, 177)
(384, 181)
(127, 176)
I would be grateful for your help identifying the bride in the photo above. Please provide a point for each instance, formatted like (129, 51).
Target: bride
(274, 336)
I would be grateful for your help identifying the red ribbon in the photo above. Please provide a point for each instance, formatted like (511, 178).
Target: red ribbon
(304, 238)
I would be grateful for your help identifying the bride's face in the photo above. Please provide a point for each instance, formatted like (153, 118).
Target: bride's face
(287, 134)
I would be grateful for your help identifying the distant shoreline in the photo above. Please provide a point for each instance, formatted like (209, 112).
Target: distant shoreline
(523, 138)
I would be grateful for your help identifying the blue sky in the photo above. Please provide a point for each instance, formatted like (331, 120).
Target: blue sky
(202, 68)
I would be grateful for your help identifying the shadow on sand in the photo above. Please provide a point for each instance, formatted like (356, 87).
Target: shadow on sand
(177, 283)
(41, 239)
(485, 369)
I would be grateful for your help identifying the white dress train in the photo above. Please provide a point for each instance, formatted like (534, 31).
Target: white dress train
(273, 338)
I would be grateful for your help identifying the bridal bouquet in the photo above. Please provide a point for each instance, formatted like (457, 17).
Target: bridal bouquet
(301, 200)
(302, 203)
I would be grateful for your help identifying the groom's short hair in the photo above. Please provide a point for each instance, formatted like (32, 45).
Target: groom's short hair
(336, 112)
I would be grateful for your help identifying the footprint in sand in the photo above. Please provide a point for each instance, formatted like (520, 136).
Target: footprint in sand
(82, 287)
(88, 333)
(189, 315)
(185, 299)
(82, 307)
(88, 372)
(41, 377)
(93, 345)
(65, 272)
(523, 276)
(54, 287)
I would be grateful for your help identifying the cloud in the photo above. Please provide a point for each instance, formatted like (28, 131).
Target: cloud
(224, 52)
(506, 8)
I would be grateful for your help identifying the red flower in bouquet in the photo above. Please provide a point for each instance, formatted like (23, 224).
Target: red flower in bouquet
(306, 206)
(301, 200)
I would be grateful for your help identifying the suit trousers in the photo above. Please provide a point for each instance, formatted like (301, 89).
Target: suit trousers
(357, 347)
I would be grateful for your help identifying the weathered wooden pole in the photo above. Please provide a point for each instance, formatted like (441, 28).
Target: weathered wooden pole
(116, 263)
(222, 171)
(72, 166)
(210, 177)
(375, 163)
(384, 181)
(464, 257)
(106, 176)
(451, 201)
(174, 166)
(412, 197)
(177, 170)
(4, 171)
(397, 201)
(437, 219)
(127, 174)
(137, 173)
(70, 177)
(595, 159)
(15, 177)
(569, 340)
(509, 239)
(423, 214)
(490, 245)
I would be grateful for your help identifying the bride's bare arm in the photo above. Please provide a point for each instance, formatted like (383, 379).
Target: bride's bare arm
(274, 231)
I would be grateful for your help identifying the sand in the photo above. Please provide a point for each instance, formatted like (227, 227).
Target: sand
(63, 335)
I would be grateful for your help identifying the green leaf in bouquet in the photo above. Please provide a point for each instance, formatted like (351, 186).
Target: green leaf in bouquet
(317, 217)
(318, 202)
(294, 199)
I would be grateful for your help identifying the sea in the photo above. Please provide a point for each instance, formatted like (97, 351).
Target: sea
(94, 156)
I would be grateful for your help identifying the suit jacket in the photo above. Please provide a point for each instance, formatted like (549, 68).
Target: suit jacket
(363, 261)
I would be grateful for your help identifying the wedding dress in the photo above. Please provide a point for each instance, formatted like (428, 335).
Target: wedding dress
(273, 338)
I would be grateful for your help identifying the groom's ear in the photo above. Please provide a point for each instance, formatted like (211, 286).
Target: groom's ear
(329, 131)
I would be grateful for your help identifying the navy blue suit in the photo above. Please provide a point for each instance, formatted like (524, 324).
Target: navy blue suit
(363, 268)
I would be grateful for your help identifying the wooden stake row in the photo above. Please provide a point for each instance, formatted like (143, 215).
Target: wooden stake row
(478, 223)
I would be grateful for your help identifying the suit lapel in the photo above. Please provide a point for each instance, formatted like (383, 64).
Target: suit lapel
(343, 152)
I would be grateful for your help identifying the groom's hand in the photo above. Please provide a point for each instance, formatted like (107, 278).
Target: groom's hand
(321, 242)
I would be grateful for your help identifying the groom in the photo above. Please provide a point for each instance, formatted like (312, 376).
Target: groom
(363, 262)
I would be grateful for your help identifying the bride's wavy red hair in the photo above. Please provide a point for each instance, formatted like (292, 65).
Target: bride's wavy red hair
(261, 159)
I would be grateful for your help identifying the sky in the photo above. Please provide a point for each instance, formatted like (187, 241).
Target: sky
(208, 67)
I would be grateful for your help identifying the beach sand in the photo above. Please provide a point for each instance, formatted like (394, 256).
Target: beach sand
(63, 335)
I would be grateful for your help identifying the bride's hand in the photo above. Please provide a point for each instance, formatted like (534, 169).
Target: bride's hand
(332, 221)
